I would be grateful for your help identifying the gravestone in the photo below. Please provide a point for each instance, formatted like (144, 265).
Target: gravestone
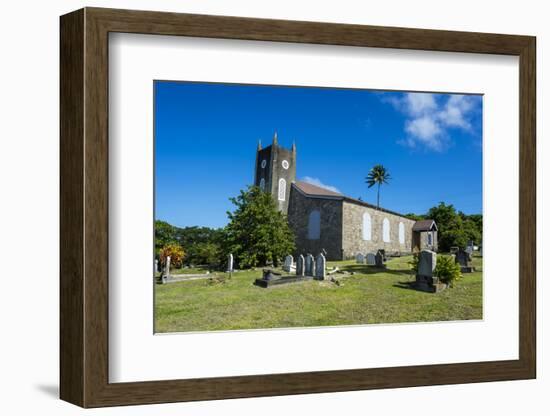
(167, 266)
(320, 267)
(427, 261)
(379, 259)
(165, 275)
(268, 274)
(310, 265)
(360, 258)
(300, 266)
(371, 259)
(156, 266)
(288, 263)
(230, 263)
(463, 258)
(425, 279)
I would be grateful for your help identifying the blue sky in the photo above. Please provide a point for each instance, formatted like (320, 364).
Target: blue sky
(206, 137)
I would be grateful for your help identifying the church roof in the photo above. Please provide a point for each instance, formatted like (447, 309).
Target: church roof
(424, 225)
(314, 190)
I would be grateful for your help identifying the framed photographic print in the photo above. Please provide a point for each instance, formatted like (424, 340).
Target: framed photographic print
(255, 207)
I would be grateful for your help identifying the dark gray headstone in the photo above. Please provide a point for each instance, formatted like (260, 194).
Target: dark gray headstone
(310, 265)
(371, 259)
(462, 258)
(379, 259)
(320, 267)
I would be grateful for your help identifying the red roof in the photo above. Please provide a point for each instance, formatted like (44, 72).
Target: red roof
(315, 190)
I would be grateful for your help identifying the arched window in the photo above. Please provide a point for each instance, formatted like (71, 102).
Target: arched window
(366, 227)
(401, 233)
(429, 238)
(386, 230)
(262, 184)
(282, 189)
(314, 225)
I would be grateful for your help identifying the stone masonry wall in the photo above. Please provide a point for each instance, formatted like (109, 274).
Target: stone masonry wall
(353, 242)
(424, 240)
(330, 239)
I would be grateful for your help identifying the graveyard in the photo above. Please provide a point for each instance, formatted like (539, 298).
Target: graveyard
(357, 294)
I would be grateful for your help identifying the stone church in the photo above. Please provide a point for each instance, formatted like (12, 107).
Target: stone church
(326, 220)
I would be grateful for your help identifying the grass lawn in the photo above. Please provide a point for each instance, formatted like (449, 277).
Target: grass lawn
(369, 296)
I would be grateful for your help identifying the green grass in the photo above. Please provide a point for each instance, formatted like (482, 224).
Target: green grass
(368, 296)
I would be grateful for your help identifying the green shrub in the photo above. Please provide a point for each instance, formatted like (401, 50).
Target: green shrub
(414, 263)
(447, 270)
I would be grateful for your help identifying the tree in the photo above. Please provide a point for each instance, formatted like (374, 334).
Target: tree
(208, 253)
(450, 226)
(378, 175)
(164, 234)
(176, 253)
(415, 217)
(257, 232)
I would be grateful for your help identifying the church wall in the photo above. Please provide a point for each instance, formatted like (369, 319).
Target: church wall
(330, 237)
(352, 239)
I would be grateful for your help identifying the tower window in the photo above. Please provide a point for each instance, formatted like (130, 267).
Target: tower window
(366, 227)
(263, 164)
(262, 184)
(314, 225)
(386, 230)
(285, 164)
(282, 189)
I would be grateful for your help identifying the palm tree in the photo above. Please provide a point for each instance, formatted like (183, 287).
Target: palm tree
(378, 175)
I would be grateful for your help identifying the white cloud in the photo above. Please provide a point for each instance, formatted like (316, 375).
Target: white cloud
(426, 130)
(420, 103)
(429, 118)
(317, 182)
(456, 112)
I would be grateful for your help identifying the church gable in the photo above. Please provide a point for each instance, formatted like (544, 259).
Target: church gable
(316, 222)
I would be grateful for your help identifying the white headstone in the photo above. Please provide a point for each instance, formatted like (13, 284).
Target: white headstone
(371, 259)
(230, 263)
(167, 266)
(360, 258)
(300, 266)
(320, 267)
(156, 266)
(288, 263)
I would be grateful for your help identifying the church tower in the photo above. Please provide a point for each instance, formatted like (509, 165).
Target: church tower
(276, 171)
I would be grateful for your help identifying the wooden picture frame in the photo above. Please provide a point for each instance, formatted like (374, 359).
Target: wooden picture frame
(84, 207)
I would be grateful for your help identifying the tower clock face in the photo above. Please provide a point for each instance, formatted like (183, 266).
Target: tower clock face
(263, 164)
(285, 164)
